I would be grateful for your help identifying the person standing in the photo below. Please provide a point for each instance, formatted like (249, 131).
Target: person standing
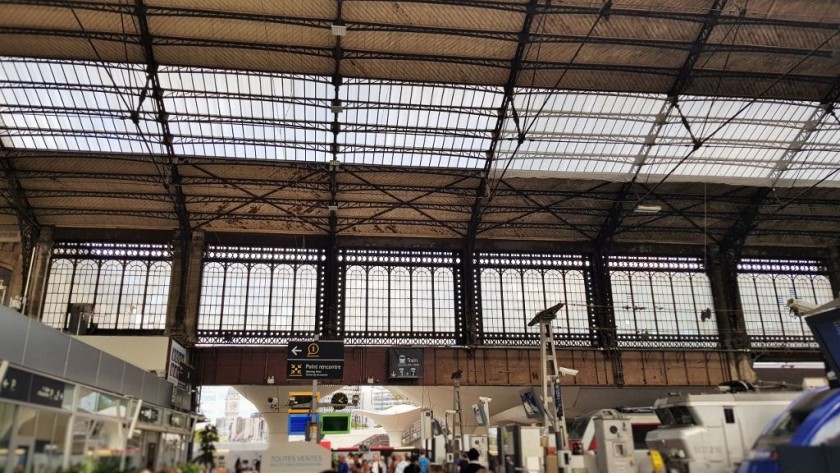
(424, 463)
(413, 466)
(462, 462)
(401, 464)
(473, 466)
(343, 467)
(377, 465)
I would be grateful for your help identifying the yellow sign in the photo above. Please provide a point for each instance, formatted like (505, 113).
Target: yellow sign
(299, 402)
(312, 350)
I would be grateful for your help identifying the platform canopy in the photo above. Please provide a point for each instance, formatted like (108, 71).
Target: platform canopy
(698, 121)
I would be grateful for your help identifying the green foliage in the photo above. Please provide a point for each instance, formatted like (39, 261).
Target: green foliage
(107, 465)
(189, 468)
(208, 437)
(97, 465)
(84, 467)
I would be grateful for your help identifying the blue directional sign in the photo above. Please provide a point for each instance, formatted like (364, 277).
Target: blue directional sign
(323, 359)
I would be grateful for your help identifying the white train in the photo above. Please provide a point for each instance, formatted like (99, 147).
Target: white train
(642, 420)
(711, 433)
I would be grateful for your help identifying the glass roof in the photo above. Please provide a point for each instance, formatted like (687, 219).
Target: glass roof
(748, 146)
(577, 132)
(417, 124)
(257, 116)
(820, 156)
(49, 105)
(64, 105)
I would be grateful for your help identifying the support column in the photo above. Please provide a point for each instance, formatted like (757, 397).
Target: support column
(329, 327)
(185, 288)
(11, 258)
(470, 320)
(602, 316)
(36, 274)
(723, 277)
(834, 270)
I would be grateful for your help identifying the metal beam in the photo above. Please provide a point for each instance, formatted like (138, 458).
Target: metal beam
(408, 203)
(825, 109)
(261, 198)
(539, 207)
(684, 213)
(332, 326)
(749, 216)
(172, 183)
(14, 193)
(515, 68)
(621, 207)
(391, 207)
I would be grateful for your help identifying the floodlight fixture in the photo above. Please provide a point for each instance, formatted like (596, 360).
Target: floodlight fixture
(546, 315)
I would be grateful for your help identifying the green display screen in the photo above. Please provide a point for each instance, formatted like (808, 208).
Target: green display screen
(335, 423)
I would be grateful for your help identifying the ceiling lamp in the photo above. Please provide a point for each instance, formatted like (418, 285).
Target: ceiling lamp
(648, 209)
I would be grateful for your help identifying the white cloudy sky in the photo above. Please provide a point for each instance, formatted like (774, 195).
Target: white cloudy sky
(213, 402)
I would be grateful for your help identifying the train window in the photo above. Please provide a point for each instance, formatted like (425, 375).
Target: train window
(729, 414)
(640, 431)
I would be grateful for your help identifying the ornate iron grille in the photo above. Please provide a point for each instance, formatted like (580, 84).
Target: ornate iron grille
(260, 295)
(662, 302)
(127, 283)
(766, 286)
(515, 286)
(399, 297)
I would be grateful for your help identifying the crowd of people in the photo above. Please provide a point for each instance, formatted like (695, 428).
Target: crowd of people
(396, 463)
(401, 463)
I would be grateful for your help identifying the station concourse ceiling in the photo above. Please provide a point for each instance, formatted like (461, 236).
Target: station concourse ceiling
(692, 122)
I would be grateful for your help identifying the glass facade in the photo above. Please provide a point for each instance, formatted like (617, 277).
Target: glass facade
(661, 301)
(128, 284)
(48, 434)
(767, 285)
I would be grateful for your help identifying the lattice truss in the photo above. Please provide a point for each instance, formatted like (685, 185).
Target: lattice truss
(515, 119)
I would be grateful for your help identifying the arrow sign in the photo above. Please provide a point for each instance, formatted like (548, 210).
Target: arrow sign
(322, 359)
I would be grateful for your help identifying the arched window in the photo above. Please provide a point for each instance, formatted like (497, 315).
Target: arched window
(127, 283)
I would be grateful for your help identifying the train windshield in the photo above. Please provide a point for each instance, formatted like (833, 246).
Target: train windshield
(675, 416)
(577, 426)
(783, 428)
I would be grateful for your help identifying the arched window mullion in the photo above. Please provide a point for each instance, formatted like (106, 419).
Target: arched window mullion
(149, 265)
(225, 268)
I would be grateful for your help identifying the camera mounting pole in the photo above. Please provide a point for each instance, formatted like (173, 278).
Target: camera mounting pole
(555, 420)
(457, 432)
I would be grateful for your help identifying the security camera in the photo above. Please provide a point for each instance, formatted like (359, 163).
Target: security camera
(567, 371)
(485, 400)
(800, 308)
(273, 400)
